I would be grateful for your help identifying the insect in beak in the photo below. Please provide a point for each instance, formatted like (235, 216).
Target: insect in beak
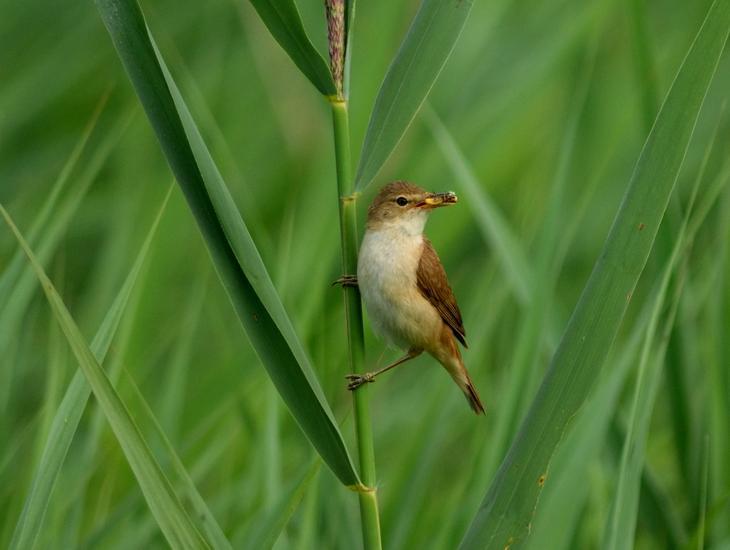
(435, 200)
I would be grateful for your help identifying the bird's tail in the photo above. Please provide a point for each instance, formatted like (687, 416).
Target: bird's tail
(455, 366)
(470, 392)
(449, 356)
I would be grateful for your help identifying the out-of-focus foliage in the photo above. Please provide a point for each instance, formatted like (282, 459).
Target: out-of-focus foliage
(507, 100)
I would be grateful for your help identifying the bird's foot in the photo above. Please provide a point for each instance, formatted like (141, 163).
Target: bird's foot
(346, 280)
(357, 380)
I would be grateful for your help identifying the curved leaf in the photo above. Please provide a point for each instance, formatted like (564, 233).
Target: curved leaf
(282, 19)
(423, 54)
(267, 526)
(176, 525)
(506, 512)
(185, 485)
(231, 247)
(11, 272)
(68, 416)
(621, 528)
(17, 285)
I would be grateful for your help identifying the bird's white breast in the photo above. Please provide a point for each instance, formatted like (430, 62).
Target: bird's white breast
(386, 271)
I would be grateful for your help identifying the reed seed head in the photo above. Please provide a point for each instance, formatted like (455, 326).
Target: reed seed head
(336, 37)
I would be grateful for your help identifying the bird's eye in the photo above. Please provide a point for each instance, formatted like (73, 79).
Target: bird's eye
(401, 201)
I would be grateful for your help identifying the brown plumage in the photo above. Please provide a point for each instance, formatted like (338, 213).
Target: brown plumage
(433, 284)
(404, 286)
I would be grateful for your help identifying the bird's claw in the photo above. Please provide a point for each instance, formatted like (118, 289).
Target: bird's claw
(346, 280)
(357, 380)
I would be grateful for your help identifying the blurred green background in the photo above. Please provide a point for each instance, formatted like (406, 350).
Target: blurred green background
(521, 75)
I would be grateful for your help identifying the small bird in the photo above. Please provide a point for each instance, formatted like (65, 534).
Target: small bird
(404, 286)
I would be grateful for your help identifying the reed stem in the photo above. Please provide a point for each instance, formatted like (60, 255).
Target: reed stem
(353, 314)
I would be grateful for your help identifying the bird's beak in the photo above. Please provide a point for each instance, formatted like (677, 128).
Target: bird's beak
(434, 200)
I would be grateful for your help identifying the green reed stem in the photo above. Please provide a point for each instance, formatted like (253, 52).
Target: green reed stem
(353, 313)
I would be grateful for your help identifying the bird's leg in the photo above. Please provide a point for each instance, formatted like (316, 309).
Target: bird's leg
(357, 380)
(346, 280)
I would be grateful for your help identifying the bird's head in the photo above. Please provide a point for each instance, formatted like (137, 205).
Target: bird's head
(401, 203)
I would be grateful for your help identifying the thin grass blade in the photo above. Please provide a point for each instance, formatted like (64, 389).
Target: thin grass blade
(12, 271)
(624, 514)
(266, 529)
(566, 493)
(622, 523)
(21, 287)
(176, 379)
(506, 512)
(176, 525)
(282, 19)
(717, 406)
(422, 55)
(67, 417)
(203, 516)
(704, 476)
(232, 249)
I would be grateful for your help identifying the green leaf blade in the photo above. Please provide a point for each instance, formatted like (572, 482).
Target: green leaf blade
(621, 528)
(206, 521)
(68, 416)
(420, 59)
(12, 271)
(264, 528)
(229, 243)
(506, 511)
(176, 525)
(282, 19)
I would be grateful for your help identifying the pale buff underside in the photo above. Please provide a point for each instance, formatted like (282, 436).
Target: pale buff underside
(386, 272)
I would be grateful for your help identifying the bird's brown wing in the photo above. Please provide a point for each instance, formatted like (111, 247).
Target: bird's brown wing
(434, 286)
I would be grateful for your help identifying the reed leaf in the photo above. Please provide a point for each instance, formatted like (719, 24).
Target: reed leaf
(506, 512)
(66, 420)
(270, 524)
(231, 247)
(11, 272)
(176, 525)
(410, 77)
(622, 523)
(204, 518)
(18, 287)
(282, 19)
(567, 492)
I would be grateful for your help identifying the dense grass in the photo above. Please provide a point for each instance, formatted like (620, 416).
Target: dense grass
(537, 121)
